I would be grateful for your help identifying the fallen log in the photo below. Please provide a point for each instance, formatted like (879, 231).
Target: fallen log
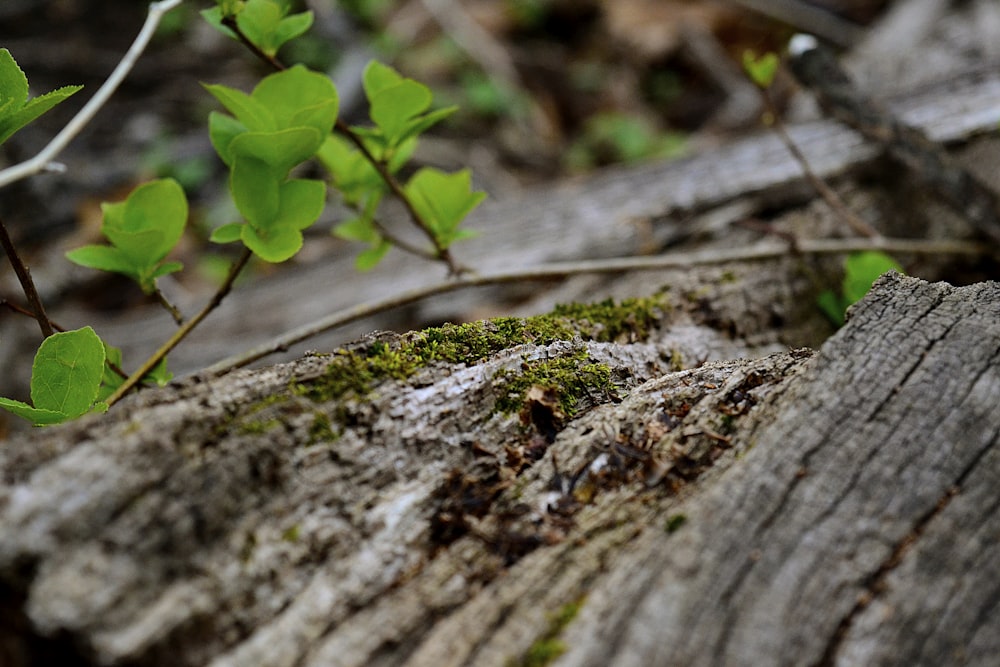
(585, 489)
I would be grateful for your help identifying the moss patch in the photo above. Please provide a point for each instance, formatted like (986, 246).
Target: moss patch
(548, 647)
(356, 372)
(569, 378)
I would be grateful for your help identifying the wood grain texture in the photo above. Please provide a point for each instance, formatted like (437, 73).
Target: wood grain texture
(838, 508)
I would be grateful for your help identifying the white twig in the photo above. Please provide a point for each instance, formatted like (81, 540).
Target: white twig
(681, 259)
(43, 160)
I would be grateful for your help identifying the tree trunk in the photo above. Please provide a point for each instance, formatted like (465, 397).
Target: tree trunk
(375, 507)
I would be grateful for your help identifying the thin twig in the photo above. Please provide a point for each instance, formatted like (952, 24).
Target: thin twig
(174, 311)
(230, 22)
(831, 198)
(179, 335)
(45, 157)
(27, 284)
(682, 259)
(401, 243)
(442, 252)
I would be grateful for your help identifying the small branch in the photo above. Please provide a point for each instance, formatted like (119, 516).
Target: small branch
(230, 22)
(442, 253)
(43, 160)
(831, 198)
(401, 243)
(27, 284)
(179, 335)
(681, 259)
(169, 307)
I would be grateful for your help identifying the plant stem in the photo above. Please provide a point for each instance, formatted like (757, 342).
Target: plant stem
(680, 259)
(831, 198)
(442, 253)
(169, 307)
(183, 330)
(27, 284)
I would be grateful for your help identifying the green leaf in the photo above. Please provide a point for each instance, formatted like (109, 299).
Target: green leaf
(102, 258)
(263, 23)
(166, 268)
(353, 175)
(359, 228)
(13, 84)
(281, 150)
(15, 109)
(299, 97)
(250, 112)
(761, 68)
(67, 370)
(36, 416)
(443, 200)
(151, 222)
(227, 233)
(861, 269)
(377, 77)
(255, 191)
(301, 203)
(369, 258)
(222, 129)
(273, 245)
(9, 124)
(832, 306)
(291, 27)
(393, 107)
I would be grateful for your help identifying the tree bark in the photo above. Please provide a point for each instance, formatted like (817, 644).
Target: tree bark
(836, 507)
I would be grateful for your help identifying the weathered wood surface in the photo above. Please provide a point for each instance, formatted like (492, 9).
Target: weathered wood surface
(621, 212)
(840, 507)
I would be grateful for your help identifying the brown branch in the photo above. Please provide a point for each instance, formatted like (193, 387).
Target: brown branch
(27, 284)
(831, 198)
(179, 335)
(680, 259)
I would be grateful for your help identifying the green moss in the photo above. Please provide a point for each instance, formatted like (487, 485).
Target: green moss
(356, 372)
(321, 430)
(258, 427)
(571, 378)
(548, 647)
(674, 522)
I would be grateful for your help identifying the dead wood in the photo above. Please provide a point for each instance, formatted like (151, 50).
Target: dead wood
(797, 509)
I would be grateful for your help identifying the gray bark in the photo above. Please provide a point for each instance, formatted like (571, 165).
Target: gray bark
(837, 507)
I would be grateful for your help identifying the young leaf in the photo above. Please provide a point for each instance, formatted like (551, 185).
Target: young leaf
(15, 109)
(102, 258)
(248, 111)
(152, 222)
(443, 200)
(67, 370)
(280, 150)
(142, 230)
(255, 190)
(222, 129)
(227, 233)
(861, 269)
(65, 378)
(761, 68)
(272, 245)
(301, 203)
(264, 24)
(367, 259)
(299, 97)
